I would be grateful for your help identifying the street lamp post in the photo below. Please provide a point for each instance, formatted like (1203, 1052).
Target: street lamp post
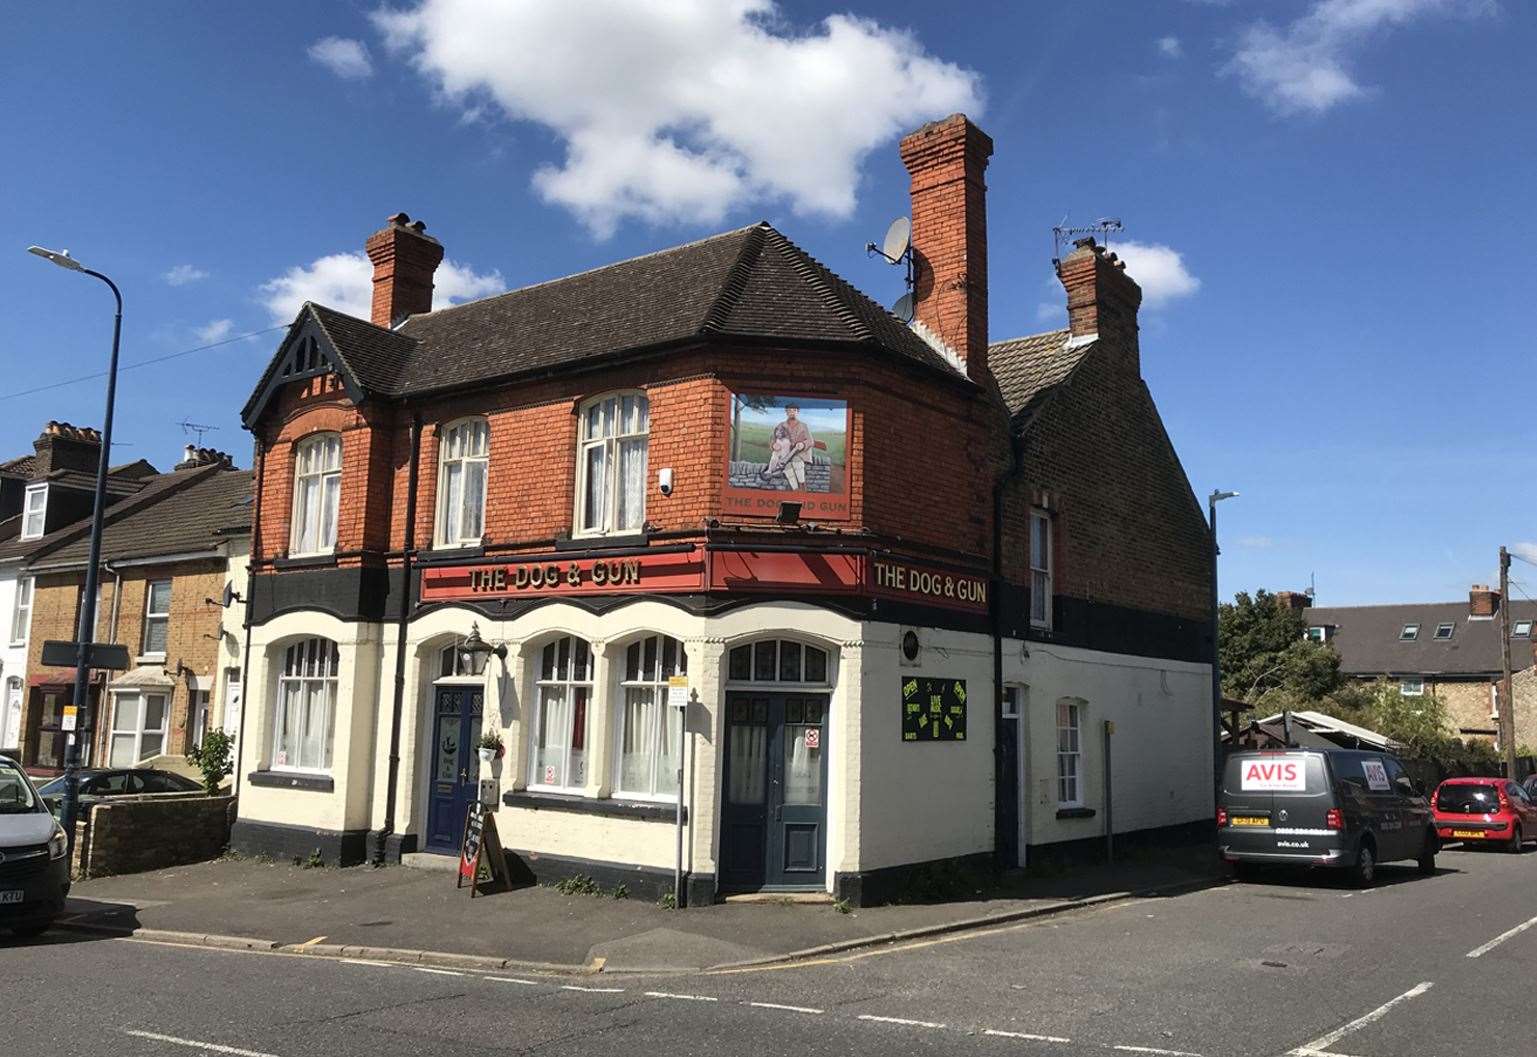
(87, 626)
(1212, 500)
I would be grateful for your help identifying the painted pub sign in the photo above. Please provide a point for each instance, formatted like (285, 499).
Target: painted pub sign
(785, 448)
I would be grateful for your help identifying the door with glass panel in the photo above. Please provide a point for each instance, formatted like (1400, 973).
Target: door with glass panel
(455, 778)
(774, 823)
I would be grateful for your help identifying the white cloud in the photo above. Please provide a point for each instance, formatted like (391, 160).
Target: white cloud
(183, 274)
(1158, 269)
(217, 330)
(1171, 48)
(344, 281)
(1304, 67)
(1525, 550)
(346, 58)
(678, 111)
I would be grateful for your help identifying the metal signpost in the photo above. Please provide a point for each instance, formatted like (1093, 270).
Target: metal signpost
(677, 697)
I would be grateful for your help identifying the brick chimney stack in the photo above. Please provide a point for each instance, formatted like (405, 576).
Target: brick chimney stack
(1295, 601)
(62, 446)
(1102, 300)
(405, 258)
(1483, 601)
(946, 161)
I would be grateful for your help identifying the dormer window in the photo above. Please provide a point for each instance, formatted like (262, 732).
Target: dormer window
(36, 507)
(464, 452)
(1409, 633)
(1318, 634)
(1445, 631)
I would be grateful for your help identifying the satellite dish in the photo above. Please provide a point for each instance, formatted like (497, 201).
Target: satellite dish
(903, 309)
(898, 237)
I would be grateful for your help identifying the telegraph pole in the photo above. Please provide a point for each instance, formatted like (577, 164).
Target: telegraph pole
(1507, 701)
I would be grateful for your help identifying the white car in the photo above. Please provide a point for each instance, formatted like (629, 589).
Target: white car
(34, 856)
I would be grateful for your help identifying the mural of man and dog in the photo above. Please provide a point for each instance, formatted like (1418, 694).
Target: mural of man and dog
(795, 446)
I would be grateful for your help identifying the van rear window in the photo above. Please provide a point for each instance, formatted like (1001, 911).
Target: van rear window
(1467, 799)
(1275, 773)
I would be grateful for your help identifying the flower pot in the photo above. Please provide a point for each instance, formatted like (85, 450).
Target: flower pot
(487, 756)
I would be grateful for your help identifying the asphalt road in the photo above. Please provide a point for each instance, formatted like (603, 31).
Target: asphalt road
(1296, 966)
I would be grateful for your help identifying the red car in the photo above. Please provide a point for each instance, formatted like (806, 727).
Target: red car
(1484, 810)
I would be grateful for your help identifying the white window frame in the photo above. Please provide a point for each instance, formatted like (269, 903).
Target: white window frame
(327, 480)
(1317, 633)
(1040, 574)
(38, 492)
(569, 685)
(1408, 633)
(463, 445)
(650, 679)
(138, 730)
(1449, 627)
(1521, 629)
(152, 617)
(21, 613)
(1418, 685)
(1011, 707)
(15, 687)
(307, 663)
(610, 407)
(1072, 709)
(199, 717)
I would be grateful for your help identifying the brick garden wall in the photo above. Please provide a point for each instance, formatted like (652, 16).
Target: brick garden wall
(131, 835)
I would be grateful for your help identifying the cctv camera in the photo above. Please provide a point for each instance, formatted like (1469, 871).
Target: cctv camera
(664, 481)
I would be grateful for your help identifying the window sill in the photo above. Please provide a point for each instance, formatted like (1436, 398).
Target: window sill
(450, 554)
(600, 541)
(581, 805)
(1075, 812)
(315, 783)
(305, 561)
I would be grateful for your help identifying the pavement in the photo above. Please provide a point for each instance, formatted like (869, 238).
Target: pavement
(403, 914)
(1293, 966)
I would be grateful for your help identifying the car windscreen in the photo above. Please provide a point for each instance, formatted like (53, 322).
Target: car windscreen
(53, 788)
(1467, 799)
(15, 792)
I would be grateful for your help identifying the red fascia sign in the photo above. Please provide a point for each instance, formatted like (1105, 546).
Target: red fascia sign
(553, 575)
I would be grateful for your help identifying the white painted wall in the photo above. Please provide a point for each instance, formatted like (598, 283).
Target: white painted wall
(13, 657)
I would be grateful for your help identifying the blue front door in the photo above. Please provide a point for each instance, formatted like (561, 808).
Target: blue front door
(455, 779)
(774, 818)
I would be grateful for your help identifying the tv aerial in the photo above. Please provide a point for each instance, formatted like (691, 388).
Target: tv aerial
(897, 248)
(197, 429)
(1104, 227)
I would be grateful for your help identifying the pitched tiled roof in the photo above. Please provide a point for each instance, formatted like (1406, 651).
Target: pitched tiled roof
(1028, 369)
(24, 466)
(191, 519)
(1367, 638)
(751, 283)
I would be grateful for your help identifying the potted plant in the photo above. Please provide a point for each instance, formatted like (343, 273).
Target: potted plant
(491, 747)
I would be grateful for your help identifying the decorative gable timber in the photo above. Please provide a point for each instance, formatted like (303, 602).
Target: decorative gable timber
(308, 351)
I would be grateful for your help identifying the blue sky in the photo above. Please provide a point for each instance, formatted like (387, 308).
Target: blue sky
(1331, 200)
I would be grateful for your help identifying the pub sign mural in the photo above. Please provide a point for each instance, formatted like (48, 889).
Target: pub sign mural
(788, 448)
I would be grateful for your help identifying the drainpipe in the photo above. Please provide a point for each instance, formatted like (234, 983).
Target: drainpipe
(407, 553)
(245, 661)
(117, 597)
(995, 617)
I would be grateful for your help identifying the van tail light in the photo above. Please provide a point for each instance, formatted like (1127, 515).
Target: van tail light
(1334, 820)
(1221, 817)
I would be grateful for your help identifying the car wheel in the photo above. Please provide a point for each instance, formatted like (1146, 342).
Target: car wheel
(1365, 871)
(1427, 860)
(1514, 846)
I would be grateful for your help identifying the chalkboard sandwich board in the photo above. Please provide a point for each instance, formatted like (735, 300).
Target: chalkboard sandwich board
(481, 859)
(933, 709)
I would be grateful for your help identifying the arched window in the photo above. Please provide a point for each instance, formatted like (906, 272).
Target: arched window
(562, 694)
(454, 662)
(306, 706)
(317, 494)
(611, 465)
(778, 661)
(648, 727)
(464, 451)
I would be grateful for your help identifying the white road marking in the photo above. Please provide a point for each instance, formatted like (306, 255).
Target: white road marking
(593, 990)
(366, 961)
(1024, 1035)
(1323, 1042)
(514, 980)
(1478, 952)
(789, 1009)
(1155, 1050)
(686, 998)
(211, 1047)
(435, 972)
(901, 1021)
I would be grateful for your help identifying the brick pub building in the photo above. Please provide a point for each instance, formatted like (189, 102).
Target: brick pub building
(909, 574)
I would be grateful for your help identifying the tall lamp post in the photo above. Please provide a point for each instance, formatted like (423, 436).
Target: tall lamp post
(87, 626)
(1212, 500)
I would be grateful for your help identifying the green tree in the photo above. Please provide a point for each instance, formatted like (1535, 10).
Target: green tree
(1267, 660)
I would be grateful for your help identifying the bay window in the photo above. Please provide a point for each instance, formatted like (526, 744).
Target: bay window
(138, 728)
(317, 494)
(562, 698)
(306, 706)
(463, 455)
(648, 727)
(611, 465)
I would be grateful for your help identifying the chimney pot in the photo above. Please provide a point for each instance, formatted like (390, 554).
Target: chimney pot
(1483, 601)
(404, 258)
(1102, 300)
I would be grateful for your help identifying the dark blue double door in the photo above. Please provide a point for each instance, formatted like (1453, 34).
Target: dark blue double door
(774, 821)
(454, 781)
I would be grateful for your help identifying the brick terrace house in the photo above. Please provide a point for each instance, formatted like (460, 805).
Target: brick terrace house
(165, 561)
(908, 573)
(41, 493)
(1449, 649)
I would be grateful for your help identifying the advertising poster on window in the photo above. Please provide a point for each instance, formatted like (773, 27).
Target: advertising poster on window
(933, 709)
(787, 449)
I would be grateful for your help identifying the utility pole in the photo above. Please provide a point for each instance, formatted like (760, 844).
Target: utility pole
(1507, 702)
